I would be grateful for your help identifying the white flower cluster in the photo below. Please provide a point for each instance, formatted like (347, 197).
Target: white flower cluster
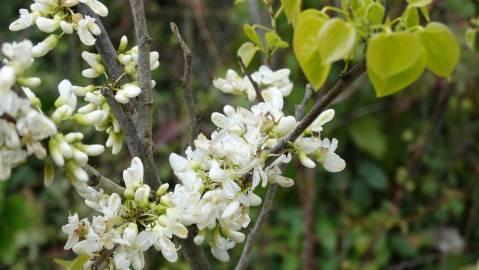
(130, 227)
(97, 111)
(52, 16)
(264, 77)
(217, 183)
(219, 177)
(22, 123)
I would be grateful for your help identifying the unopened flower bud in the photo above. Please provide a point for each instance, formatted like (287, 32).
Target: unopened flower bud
(162, 190)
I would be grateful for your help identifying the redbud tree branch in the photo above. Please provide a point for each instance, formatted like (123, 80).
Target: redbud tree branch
(194, 254)
(186, 82)
(144, 109)
(123, 113)
(345, 80)
(259, 96)
(98, 181)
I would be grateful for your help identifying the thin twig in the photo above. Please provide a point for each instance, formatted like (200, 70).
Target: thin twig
(143, 115)
(194, 254)
(99, 181)
(253, 234)
(186, 82)
(122, 112)
(259, 96)
(345, 80)
(301, 107)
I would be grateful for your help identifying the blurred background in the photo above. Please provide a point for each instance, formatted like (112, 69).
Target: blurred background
(408, 199)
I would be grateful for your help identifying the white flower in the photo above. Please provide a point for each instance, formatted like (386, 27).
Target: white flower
(66, 27)
(126, 92)
(235, 85)
(110, 205)
(35, 127)
(24, 21)
(7, 78)
(86, 29)
(96, 6)
(132, 245)
(75, 230)
(66, 102)
(322, 119)
(164, 244)
(133, 176)
(220, 247)
(142, 194)
(331, 161)
(48, 25)
(285, 126)
(19, 55)
(42, 48)
(267, 78)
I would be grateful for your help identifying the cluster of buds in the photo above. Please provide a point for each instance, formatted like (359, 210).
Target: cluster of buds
(23, 125)
(129, 59)
(97, 111)
(59, 17)
(68, 151)
(131, 225)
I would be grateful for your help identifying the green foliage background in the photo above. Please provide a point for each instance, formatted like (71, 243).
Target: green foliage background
(411, 182)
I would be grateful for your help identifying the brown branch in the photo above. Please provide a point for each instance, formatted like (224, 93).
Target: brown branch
(102, 261)
(134, 143)
(98, 181)
(259, 96)
(194, 254)
(345, 80)
(253, 234)
(122, 112)
(186, 82)
(143, 115)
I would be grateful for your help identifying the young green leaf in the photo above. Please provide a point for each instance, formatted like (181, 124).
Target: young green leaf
(246, 52)
(76, 264)
(471, 37)
(274, 40)
(441, 47)
(399, 81)
(419, 3)
(306, 44)
(336, 40)
(375, 13)
(251, 33)
(392, 53)
(411, 16)
(292, 8)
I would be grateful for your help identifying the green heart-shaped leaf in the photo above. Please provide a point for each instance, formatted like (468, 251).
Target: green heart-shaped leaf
(246, 52)
(441, 47)
(395, 83)
(291, 8)
(392, 53)
(336, 40)
(306, 44)
(252, 35)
